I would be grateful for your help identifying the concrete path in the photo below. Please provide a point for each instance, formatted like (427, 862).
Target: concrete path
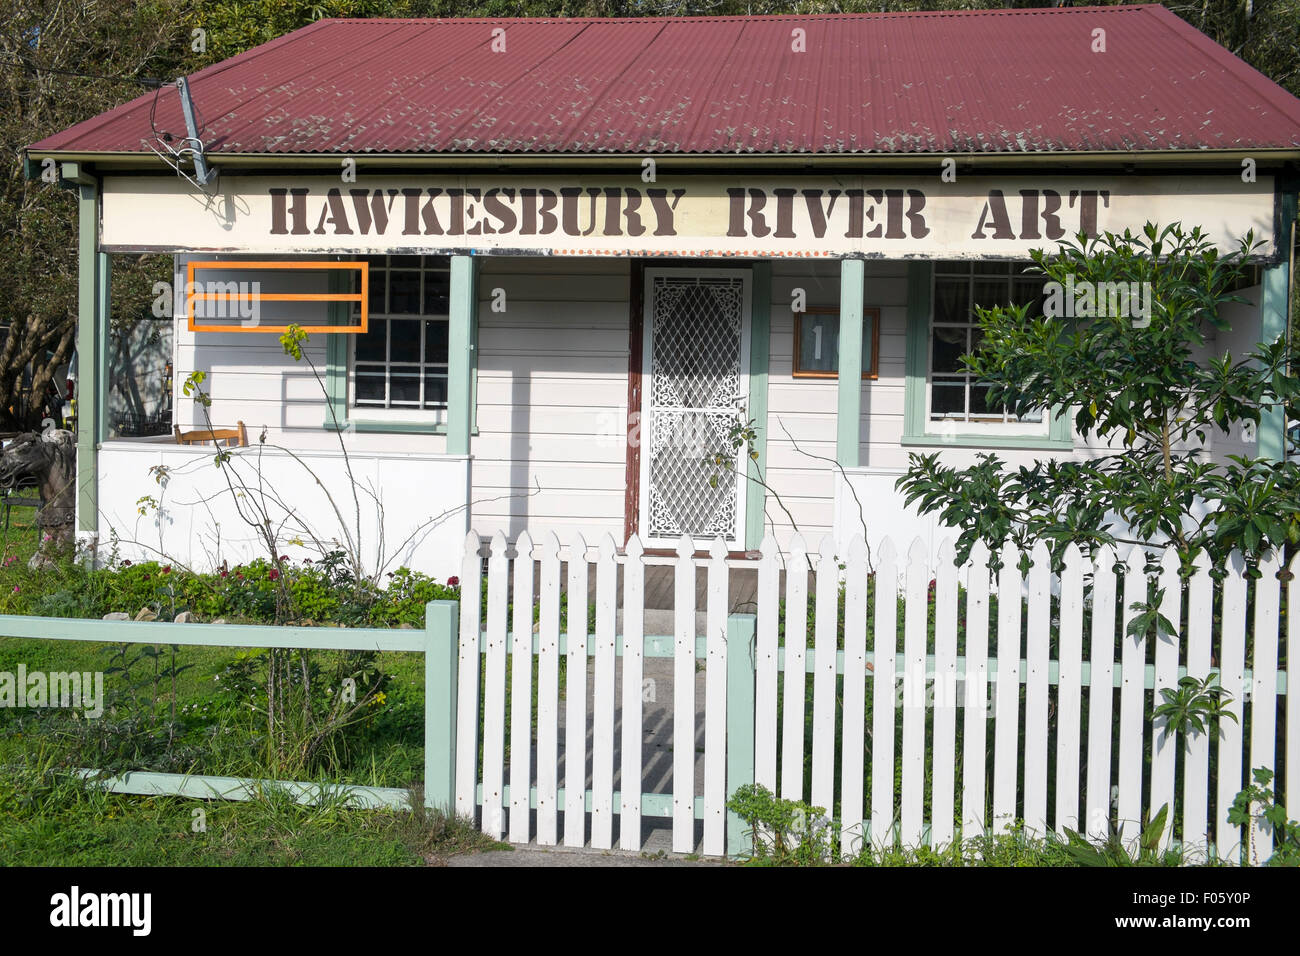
(657, 750)
(533, 855)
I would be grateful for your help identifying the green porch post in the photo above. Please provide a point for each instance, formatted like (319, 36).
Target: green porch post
(740, 720)
(460, 354)
(849, 414)
(441, 637)
(92, 337)
(1272, 317)
(760, 347)
(103, 277)
(1273, 311)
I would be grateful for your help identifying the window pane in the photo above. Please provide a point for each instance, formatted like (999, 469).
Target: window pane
(435, 391)
(990, 293)
(819, 342)
(948, 400)
(370, 389)
(377, 286)
(437, 285)
(405, 262)
(979, 404)
(1029, 292)
(405, 341)
(404, 293)
(949, 347)
(952, 300)
(435, 342)
(992, 268)
(404, 389)
(371, 345)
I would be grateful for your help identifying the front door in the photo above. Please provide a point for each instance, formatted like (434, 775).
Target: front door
(696, 383)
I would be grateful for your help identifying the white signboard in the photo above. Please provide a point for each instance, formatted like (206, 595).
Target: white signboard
(833, 216)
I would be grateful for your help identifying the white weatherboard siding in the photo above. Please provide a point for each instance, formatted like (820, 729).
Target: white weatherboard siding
(251, 379)
(552, 396)
(805, 408)
(549, 448)
(194, 521)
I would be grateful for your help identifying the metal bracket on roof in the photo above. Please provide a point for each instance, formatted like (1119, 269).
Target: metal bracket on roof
(189, 152)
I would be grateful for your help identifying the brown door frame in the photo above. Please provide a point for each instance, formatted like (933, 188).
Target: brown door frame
(635, 361)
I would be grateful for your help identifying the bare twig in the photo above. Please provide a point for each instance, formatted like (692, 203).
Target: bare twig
(862, 518)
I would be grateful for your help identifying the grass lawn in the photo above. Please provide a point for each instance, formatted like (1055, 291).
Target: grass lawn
(47, 818)
(51, 820)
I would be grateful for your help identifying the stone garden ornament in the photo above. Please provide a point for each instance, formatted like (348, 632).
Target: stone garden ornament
(48, 459)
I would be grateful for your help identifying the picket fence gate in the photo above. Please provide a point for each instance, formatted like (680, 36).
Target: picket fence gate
(1084, 719)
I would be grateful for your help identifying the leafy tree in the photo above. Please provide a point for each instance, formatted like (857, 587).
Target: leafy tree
(46, 48)
(1135, 386)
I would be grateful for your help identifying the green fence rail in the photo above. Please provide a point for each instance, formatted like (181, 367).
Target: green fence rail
(439, 642)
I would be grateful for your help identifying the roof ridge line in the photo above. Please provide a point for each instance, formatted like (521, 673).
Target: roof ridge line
(732, 18)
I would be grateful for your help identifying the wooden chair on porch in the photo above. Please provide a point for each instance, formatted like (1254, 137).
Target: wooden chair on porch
(232, 437)
(14, 498)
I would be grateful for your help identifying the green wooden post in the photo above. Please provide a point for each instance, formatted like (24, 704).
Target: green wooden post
(1274, 309)
(760, 346)
(463, 300)
(740, 720)
(92, 335)
(441, 639)
(103, 317)
(848, 423)
(1272, 316)
(918, 348)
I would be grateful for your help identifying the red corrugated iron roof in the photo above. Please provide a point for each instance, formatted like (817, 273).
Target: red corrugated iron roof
(1007, 81)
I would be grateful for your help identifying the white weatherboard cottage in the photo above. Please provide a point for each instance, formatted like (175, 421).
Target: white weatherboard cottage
(576, 268)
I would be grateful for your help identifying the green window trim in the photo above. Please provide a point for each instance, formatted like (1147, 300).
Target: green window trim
(337, 348)
(1060, 434)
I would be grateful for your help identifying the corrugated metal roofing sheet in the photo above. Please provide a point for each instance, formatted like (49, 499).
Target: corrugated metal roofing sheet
(1010, 81)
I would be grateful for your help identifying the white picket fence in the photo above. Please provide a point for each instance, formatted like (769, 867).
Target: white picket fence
(902, 728)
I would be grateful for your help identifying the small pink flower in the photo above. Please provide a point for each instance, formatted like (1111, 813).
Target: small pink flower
(273, 574)
(167, 569)
(126, 564)
(284, 557)
(453, 581)
(224, 573)
(10, 560)
(17, 589)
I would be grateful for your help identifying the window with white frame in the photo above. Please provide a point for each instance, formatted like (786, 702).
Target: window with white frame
(956, 400)
(399, 365)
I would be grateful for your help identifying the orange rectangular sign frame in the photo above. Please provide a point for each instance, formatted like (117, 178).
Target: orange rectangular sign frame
(363, 297)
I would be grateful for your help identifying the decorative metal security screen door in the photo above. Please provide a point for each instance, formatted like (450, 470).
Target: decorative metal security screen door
(695, 379)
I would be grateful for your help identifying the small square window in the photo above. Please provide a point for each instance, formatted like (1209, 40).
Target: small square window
(817, 343)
